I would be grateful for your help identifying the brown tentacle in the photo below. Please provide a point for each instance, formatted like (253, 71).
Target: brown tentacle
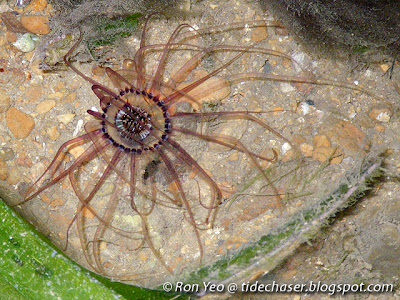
(139, 57)
(188, 160)
(155, 84)
(55, 164)
(109, 212)
(149, 242)
(182, 194)
(233, 143)
(295, 79)
(244, 115)
(70, 65)
(180, 93)
(119, 81)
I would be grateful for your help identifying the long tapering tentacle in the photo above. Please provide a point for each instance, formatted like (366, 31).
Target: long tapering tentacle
(182, 194)
(187, 158)
(55, 164)
(233, 143)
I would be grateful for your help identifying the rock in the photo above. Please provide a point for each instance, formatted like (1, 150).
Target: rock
(34, 93)
(36, 24)
(343, 133)
(324, 151)
(37, 5)
(57, 96)
(71, 98)
(53, 133)
(24, 160)
(66, 118)
(380, 114)
(306, 149)
(384, 67)
(14, 176)
(19, 123)
(45, 106)
(7, 153)
(322, 154)
(380, 128)
(321, 141)
(26, 43)
(286, 87)
(259, 34)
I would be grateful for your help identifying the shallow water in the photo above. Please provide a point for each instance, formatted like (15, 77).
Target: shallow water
(350, 122)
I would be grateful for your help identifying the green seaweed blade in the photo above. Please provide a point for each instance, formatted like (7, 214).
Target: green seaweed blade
(31, 268)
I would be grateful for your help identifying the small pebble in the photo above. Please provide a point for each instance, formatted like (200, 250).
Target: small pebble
(350, 138)
(352, 112)
(322, 154)
(14, 176)
(24, 160)
(305, 108)
(185, 5)
(380, 113)
(34, 93)
(27, 42)
(3, 41)
(59, 86)
(66, 118)
(323, 151)
(287, 87)
(37, 5)
(45, 106)
(321, 141)
(383, 117)
(19, 123)
(78, 127)
(70, 98)
(285, 148)
(384, 67)
(144, 257)
(57, 96)
(380, 128)
(306, 149)
(36, 24)
(7, 153)
(53, 133)
(259, 34)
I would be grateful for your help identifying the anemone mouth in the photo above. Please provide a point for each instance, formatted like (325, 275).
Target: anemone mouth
(135, 121)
